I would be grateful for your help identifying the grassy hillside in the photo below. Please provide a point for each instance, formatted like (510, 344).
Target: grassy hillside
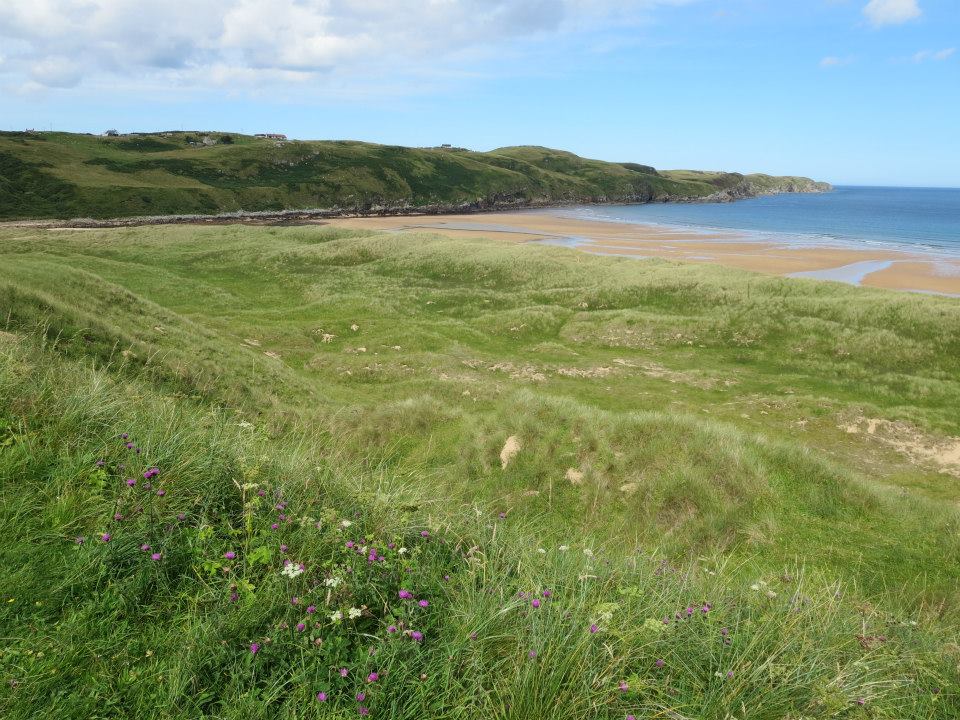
(64, 175)
(732, 494)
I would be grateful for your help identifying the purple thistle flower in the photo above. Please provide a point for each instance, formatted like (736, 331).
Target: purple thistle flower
(446, 578)
(229, 555)
(155, 556)
(363, 710)
(181, 516)
(535, 603)
(131, 482)
(254, 648)
(660, 663)
(273, 526)
(283, 548)
(301, 627)
(129, 446)
(361, 696)
(322, 696)
(161, 493)
(234, 597)
(391, 629)
(502, 516)
(118, 517)
(861, 701)
(294, 600)
(623, 686)
(532, 654)
(145, 547)
(729, 674)
(261, 493)
(405, 595)
(424, 533)
(311, 609)
(343, 672)
(105, 537)
(424, 603)
(373, 677)
(547, 593)
(392, 546)
(594, 628)
(417, 636)
(631, 717)
(125, 436)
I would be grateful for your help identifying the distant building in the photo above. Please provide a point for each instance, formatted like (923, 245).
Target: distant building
(209, 141)
(446, 146)
(271, 136)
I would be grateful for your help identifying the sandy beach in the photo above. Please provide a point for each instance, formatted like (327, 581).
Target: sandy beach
(886, 268)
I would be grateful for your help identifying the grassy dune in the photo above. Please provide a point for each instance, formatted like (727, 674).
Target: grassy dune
(735, 494)
(68, 175)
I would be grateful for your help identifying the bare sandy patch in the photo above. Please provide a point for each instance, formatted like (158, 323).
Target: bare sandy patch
(510, 450)
(921, 448)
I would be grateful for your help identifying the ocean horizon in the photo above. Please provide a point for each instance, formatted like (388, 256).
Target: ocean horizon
(911, 219)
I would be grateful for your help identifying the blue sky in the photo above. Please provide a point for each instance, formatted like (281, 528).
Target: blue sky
(849, 91)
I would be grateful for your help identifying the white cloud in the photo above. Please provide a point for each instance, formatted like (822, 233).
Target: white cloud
(891, 12)
(938, 55)
(197, 42)
(833, 61)
(55, 72)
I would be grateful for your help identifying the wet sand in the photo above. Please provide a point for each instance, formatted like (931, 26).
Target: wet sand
(886, 268)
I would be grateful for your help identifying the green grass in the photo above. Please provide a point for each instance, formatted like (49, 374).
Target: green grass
(704, 407)
(65, 175)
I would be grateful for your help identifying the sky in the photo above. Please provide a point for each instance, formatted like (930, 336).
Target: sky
(848, 91)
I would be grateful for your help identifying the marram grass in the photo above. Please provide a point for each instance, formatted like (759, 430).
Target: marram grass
(726, 547)
(203, 572)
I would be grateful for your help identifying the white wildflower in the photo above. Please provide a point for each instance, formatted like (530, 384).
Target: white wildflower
(588, 552)
(564, 548)
(355, 613)
(541, 551)
(332, 582)
(292, 570)
(771, 594)
(337, 616)
(345, 523)
(402, 551)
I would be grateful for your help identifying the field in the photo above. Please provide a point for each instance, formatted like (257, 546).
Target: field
(70, 175)
(619, 487)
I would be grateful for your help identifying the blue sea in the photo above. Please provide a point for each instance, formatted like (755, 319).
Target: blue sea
(916, 219)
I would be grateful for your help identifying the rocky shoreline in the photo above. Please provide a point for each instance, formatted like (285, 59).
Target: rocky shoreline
(742, 191)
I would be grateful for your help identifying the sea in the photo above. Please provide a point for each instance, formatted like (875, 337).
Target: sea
(918, 220)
